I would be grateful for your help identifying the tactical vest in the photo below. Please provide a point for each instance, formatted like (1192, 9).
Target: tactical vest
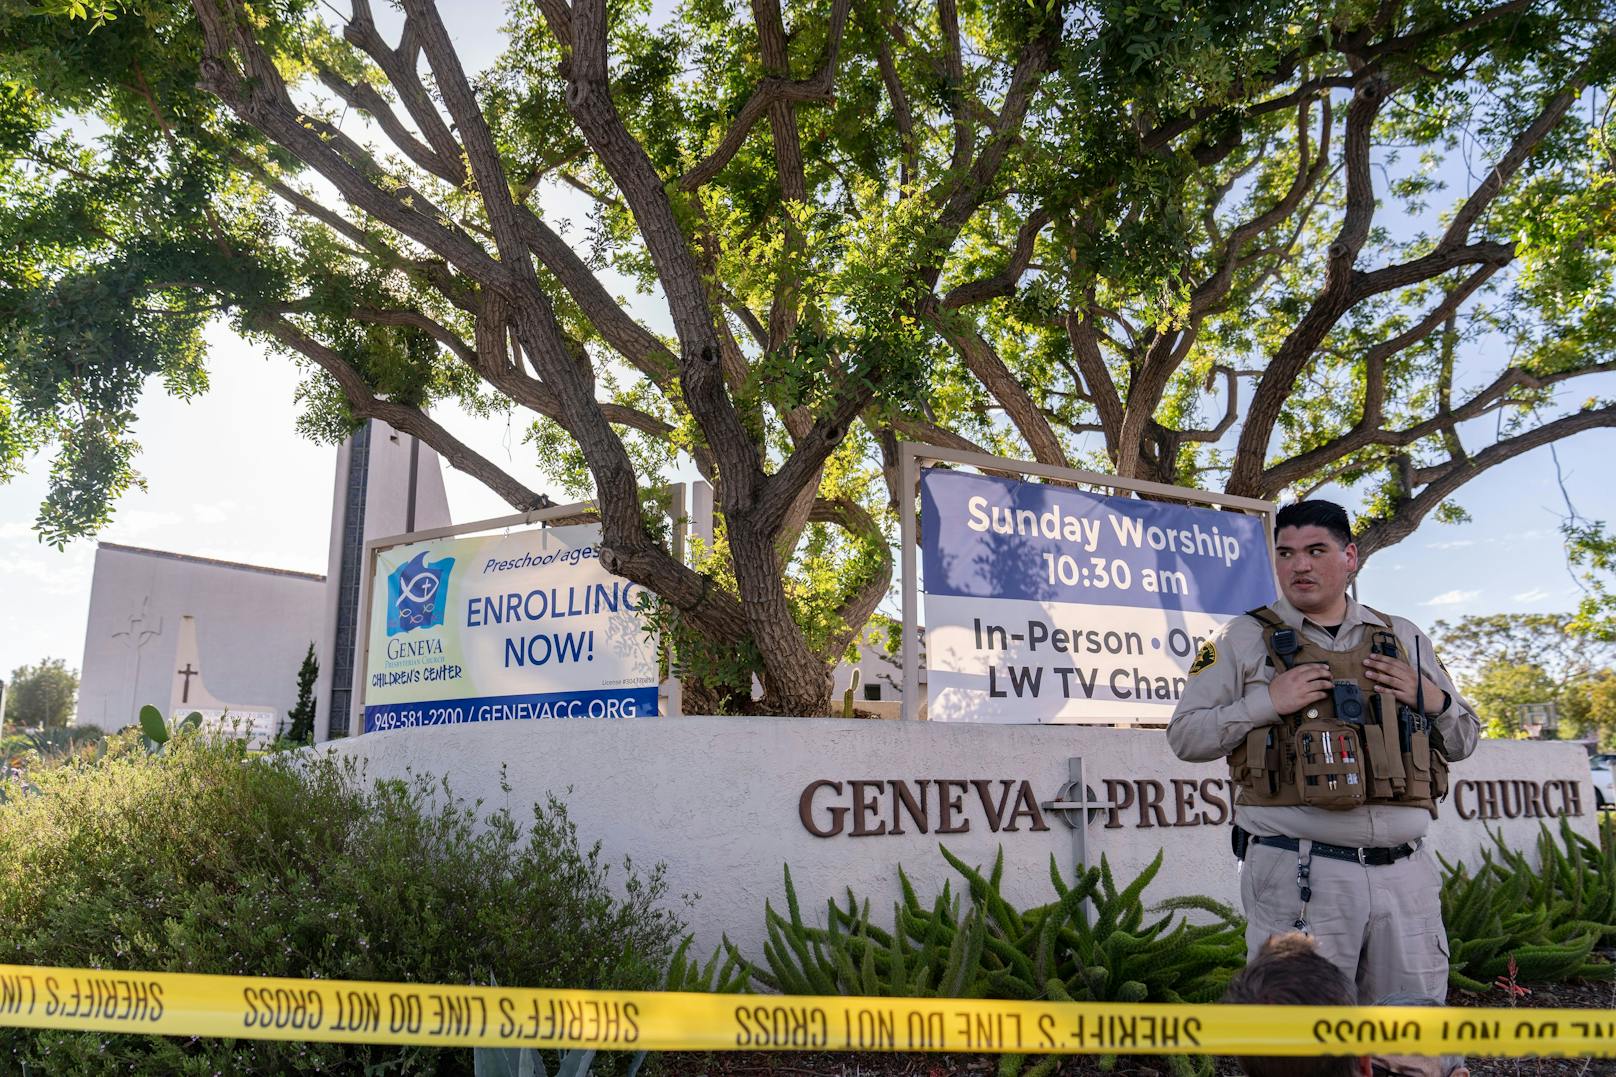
(1356, 746)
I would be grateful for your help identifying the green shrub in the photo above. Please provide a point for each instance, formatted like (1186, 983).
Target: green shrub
(201, 860)
(1547, 917)
(50, 745)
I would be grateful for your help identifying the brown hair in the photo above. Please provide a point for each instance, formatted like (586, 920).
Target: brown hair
(1289, 971)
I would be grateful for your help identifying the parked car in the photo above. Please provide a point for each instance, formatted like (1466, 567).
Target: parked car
(1603, 768)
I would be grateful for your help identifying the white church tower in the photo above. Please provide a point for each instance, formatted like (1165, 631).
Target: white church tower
(387, 483)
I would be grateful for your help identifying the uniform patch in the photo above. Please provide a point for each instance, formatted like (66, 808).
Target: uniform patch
(1204, 657)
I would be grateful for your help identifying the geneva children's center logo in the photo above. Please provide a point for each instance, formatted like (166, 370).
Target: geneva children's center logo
(417, 594)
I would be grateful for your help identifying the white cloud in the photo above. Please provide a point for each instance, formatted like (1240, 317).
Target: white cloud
(1536, 594)
(51, 572)
(137, 526)
(1454, 545)
(1451, 598)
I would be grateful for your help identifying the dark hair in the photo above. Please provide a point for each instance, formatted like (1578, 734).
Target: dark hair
(1316, 513)
(1289, 971)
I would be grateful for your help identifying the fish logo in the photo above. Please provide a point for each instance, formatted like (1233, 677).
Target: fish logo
(417, 594)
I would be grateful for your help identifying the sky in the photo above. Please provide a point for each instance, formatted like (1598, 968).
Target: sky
(227, 476)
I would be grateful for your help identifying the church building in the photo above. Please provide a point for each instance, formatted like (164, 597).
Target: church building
(186, 633)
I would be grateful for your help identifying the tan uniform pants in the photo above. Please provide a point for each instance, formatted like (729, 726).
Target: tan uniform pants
(1381, 926)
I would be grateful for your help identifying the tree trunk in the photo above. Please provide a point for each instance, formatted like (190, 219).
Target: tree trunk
(795, 680)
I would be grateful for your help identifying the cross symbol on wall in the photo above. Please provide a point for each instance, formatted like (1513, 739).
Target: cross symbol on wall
(136, 639)
(1075, 805)
(138, 635)
(188, 672)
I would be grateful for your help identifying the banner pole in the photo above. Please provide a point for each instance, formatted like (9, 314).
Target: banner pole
(906, 538)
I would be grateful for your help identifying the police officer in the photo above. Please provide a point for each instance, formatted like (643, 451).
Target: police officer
(1338, 723)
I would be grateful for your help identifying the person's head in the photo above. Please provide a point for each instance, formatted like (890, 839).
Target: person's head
(1315, 555)
(1289, 971)
(1414, 1065)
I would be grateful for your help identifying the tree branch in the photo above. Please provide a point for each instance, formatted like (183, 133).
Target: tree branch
(984, 362)
(1215, 287)
(1231, 409)
(902, 117)
(1085, 340)
(256, 93)
(628, 337)
(590, 103)
(481, 154)
(965, 189)
(1412, 510)
(855, 610)
(366, 405)
(1003, 282)
(364, 97)
(1508, 164)
(399, 65)
(954, 85)
(782, 488)
(771, 92)
(1366, 430)
(416, 320)
(1333, 301)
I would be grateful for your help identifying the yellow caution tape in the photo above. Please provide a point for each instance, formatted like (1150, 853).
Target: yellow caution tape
(344, 1011)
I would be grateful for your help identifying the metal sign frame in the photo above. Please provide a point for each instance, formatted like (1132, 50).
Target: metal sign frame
(910, 457)
(675, 503)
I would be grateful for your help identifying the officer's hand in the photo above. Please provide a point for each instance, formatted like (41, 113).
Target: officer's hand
(1398, 677)
(1300, 686)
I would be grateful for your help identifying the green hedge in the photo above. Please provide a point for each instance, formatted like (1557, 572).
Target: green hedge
(203, 860)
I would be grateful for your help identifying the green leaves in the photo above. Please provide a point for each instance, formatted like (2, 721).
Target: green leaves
(204, 859)
(1547, 917)
(157, 732)
(1091, 944)
(153, 725)
(1019, 223)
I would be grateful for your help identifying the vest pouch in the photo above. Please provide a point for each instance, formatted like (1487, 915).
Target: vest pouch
(1254, 763)
(1417, 764)
(1330, 764)
(1386, 769)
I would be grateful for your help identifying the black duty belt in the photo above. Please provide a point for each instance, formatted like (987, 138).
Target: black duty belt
(1373, 857)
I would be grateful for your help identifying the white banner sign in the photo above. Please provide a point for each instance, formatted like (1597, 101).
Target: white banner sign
(517, 626)
(1045, 603)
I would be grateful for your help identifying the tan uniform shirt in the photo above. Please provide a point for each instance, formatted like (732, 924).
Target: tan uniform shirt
(1229, 698)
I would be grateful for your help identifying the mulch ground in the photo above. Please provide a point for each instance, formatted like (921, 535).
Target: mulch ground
(1583, 996)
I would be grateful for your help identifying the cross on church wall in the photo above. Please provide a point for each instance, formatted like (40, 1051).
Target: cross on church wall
(188, 672)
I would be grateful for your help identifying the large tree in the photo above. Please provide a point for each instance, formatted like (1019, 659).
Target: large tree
(42, 696)
(1548, 641)
(1255, 246)
(1503, 661)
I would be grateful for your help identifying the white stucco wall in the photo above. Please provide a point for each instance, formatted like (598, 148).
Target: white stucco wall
(717, 801)
(253, 627)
